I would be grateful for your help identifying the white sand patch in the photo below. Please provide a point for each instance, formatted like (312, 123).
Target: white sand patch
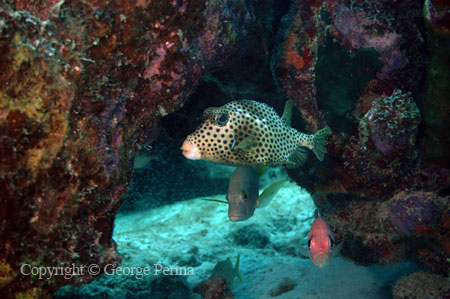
(198, 234)
(167, 233)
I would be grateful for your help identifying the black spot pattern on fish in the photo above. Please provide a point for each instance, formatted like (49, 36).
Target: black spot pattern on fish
(272, 141)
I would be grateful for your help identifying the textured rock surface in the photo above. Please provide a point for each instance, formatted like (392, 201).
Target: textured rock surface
(410, 225)
(359, 67)
(383, 156)
(422, 285)
(338, 73)
(82, 84)
(214, 288)
(325, 48)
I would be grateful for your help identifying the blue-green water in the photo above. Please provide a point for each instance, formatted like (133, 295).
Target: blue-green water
(183, 241)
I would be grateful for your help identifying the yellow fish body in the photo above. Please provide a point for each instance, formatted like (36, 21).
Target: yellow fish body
(247, 132)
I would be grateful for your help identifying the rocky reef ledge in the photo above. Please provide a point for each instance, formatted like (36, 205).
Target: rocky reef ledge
(82, 84)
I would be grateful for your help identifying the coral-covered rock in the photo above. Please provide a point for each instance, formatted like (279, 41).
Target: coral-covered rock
(411, 225)
(293, 63)
(391, 123)
(360, 69)
(82, 84)
(384, 152)
(367, 238)
(422, 285)
(329, 44)
(214, 288)
(345, 65)
(412, 211)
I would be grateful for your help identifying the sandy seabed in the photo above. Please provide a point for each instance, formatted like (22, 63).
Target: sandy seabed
(194, 235)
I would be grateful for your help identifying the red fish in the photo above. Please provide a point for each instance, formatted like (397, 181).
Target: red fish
(320, 243)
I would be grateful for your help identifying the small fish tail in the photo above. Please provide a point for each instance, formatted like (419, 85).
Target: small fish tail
(270, 192)
(236, 268)
(320, 143)
(287, 112)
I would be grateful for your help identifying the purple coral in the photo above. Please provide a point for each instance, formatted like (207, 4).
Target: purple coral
(353, 24)
(411, 210)
(392, 122)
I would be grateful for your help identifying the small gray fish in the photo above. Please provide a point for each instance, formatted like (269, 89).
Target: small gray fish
(246, 132)
(243, 193)
(243, 190)
(225, 270)
(242, 196)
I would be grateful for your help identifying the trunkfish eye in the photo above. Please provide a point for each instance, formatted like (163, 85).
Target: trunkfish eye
(221, 119)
